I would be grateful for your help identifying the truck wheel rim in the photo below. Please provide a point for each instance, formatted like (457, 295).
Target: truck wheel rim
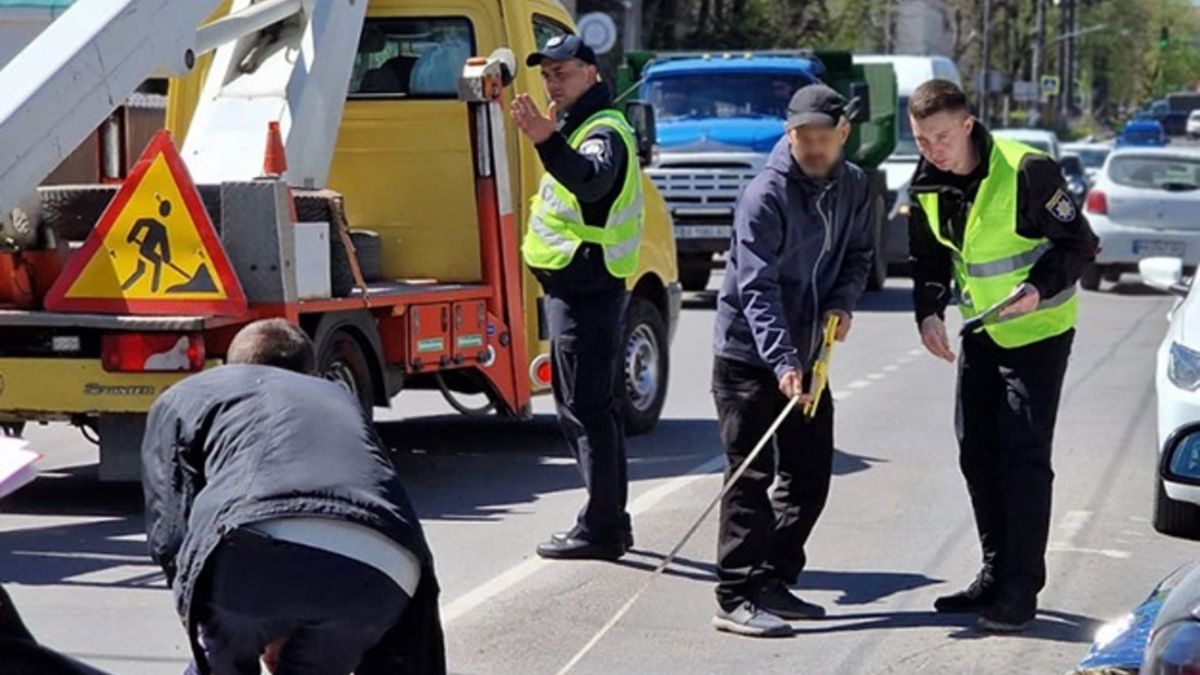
(641, 368)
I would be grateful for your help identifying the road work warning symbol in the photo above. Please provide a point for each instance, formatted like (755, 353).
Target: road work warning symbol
(154, 250)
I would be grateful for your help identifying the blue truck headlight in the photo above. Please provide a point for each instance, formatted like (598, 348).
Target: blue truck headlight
(1183, 368)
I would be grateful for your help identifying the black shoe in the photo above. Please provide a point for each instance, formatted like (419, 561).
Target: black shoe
(978, 596)
(1012, 612)
(628, 538)
(571, 548)
(778, 600)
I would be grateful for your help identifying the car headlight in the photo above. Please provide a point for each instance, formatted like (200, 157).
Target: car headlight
(1183, 368)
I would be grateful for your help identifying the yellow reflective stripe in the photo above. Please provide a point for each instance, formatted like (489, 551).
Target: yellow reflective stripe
(1007, 265)
(549, 236)
(624, 249)
(554, 204)
(1048, 303)
(628, 213)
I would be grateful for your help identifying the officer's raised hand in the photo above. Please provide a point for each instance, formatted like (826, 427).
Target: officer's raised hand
(791, 384)
(935, 338)
(537, 127)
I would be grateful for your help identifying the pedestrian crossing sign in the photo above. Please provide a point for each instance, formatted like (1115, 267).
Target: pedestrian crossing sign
(154, 250)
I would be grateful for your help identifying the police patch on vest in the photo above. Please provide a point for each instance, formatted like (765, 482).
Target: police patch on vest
(1061, 207)
(594, 147)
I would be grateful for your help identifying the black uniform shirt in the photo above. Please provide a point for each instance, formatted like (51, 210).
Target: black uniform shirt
(595, 175)
(1044, 210)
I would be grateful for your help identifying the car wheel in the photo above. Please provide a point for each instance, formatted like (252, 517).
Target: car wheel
(695, 271)
(341, 359)
(12, 429)
(1177, 519)
(1090, 279)
(877, 277)
(645, 366)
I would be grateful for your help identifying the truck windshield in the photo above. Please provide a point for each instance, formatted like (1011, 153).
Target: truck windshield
(703, 95)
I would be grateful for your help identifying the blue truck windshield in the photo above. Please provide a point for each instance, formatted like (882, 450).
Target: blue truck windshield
(726, 95)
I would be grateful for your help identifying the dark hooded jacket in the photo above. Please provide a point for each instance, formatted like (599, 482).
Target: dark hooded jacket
(241, 444)
(801, 247)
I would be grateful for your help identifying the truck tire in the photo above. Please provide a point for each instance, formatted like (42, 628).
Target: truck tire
(1177, 519)
(1090, 279)
(644, 367)
(695, 270)
(341, 359)
(877, 277)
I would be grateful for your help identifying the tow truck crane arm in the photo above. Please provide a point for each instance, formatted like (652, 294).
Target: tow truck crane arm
(80, 69)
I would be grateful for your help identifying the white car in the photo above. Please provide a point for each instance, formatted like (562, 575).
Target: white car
(1043, 140)
(1092, 155)
(1193, 124)
(1177, 383)
(1145, 203)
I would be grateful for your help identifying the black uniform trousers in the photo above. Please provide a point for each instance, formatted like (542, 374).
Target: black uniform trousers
(586, 331)
(1006, 408)
(762, 533)
(256, 590)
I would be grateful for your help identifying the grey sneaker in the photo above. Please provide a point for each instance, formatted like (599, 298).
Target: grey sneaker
(749, 619)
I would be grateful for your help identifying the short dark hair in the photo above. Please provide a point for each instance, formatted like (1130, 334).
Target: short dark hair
(273, 342)
(937, 96)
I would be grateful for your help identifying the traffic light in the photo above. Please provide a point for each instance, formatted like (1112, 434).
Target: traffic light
(1164, 38)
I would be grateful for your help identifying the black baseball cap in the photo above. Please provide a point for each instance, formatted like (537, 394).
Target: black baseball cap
(815, 105)
(563, 48)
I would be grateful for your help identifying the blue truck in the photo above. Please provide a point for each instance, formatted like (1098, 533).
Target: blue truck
(718, 117)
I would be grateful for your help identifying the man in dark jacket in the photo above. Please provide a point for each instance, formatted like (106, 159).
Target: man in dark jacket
(280, 522)
(801, 251)
(996, 217)
(588, 158)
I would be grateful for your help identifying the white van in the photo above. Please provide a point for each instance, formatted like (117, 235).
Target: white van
(911, 72)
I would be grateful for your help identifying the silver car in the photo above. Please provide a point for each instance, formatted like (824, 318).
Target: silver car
(1146, 203)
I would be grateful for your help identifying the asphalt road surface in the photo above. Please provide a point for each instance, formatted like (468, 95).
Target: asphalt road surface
(897, 531)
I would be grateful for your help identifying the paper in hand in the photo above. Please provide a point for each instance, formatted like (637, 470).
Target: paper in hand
(17, 465)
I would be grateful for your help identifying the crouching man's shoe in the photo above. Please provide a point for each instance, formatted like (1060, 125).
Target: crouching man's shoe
(627, 537)
(778, 600)
(749, 619)
(572, 548)
(978, 596)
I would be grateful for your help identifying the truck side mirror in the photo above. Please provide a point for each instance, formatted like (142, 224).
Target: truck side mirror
(641, 118)
(859, 108)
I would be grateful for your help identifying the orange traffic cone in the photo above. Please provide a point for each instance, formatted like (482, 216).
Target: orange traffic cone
(275, 159)
(275, 162)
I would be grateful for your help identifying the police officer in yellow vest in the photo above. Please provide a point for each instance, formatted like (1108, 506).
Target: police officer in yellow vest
(582, 242)
(992, 219)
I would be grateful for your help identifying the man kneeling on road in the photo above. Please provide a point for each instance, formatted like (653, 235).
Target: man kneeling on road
(801, 251)
(281, 524)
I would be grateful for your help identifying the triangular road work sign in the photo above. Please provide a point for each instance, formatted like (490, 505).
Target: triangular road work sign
(154, 250)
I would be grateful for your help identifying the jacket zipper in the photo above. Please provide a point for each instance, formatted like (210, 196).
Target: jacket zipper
(812, 346)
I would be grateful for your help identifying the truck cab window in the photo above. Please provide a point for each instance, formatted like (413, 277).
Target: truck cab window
(411, 58)
(545, 29)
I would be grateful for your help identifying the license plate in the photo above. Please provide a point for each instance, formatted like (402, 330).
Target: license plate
(1156, 247)
(703, 232)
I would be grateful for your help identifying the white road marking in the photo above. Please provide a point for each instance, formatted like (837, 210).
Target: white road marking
(476, 597)
(1106, 552)
(842, 395)
(890, 369)
(915, 352)
(859, 384)
(1070, 526)
(904, 359)
(876, 376)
